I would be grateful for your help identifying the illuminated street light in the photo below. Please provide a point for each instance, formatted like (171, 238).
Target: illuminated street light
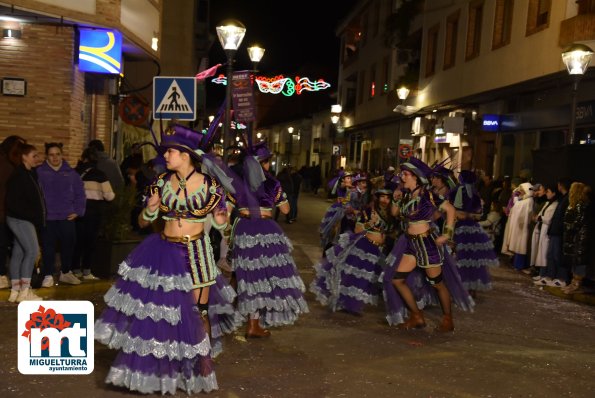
(403, 93)
(576, 58)
(290, 129)
(255, 53)
(230, 33)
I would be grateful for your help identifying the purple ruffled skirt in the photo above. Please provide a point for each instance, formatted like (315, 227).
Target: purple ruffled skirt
(152, 319)
(424, 293)
(474, 254)
(269, 283)
(348, 278)
(330, 224)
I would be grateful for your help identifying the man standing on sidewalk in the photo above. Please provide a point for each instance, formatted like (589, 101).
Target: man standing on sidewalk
(296, 182)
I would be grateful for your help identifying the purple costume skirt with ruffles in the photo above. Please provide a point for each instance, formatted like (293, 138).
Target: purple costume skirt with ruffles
(348, 278)
(474, 254)
(269, 283)
(152, 319)
(330, 224)
(424, 293)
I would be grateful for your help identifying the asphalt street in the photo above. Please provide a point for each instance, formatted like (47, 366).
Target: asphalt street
(521, 341)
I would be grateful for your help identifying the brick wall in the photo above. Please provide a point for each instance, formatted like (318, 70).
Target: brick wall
(53, 108)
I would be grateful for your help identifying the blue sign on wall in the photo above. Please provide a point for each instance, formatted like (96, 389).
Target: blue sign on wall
(174, 98)
(491, 123)
(100, 51)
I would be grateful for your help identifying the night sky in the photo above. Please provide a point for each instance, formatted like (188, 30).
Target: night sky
(299, 37)
(294, 34)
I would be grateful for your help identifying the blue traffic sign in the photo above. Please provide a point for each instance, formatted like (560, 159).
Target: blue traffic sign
(174, 98)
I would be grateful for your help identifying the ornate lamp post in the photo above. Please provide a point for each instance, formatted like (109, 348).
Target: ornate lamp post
(230, 33)
(576, 58)
(255, 53)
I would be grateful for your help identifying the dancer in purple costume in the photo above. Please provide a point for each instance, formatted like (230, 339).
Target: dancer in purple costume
(348, 278)
(270, 289)
(421, 248)
(331, 221)
(157, 312)
(473, 247)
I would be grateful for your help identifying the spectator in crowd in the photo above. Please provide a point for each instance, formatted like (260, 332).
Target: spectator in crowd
(316, 178)
(296, 182)
(131, 163)
(140, 180)
(107, 165)
(493, 222)
(9, 159)
(576, 234)
(98, 192)
(306, 174)
(486, 188)
(516, 233)
(25, 215)
(65, 200)
(556, 269)
(541, 240)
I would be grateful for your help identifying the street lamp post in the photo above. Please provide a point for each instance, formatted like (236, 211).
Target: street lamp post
(230, 33)
(255, 52)
(576, 58)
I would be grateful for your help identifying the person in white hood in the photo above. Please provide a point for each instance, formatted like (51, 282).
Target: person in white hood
(517, 232)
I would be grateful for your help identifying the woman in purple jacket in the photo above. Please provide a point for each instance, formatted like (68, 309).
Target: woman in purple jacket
(65, 200)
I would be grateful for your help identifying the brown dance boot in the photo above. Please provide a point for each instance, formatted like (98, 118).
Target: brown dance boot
(416, 321)
(255, 331)
(446, 325)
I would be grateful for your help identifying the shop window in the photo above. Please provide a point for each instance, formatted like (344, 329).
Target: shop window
(385, 75)
(376, 19)
(361, 89)
(586, 6)
(431, 50)
(372, 90)
(538, 15)
(502, 23)
(474, 30)
(450, 43)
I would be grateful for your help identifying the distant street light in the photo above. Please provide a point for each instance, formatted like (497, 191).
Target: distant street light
(403, 93)
(230, 33)
(576, 58)
(255, 53)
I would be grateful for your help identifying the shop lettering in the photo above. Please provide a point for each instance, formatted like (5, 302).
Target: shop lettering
(583, 112)
(490, 122)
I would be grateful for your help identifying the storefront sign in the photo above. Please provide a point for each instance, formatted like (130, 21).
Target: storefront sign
(491, 123)
(100, 51)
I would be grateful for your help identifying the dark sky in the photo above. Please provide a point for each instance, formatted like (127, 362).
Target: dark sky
(295, 34)
(299, 39)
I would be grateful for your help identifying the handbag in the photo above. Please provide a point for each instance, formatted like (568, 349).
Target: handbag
(37, 276)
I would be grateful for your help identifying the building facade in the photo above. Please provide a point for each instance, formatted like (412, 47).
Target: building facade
(54, 99)
(491, 86)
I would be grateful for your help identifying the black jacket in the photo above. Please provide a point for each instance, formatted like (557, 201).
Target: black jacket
(576, 234)
(556, 227)
(24, 199)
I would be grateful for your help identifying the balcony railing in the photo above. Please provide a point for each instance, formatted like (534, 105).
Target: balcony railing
(577, 29)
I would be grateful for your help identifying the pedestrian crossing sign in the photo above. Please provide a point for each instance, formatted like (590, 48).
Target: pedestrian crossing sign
(174, 98)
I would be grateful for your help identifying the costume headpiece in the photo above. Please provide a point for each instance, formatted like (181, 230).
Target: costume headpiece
(421, 170)
(465, 197)
(181, 138)
(334, 183)
(361, 177)
(261, 151)
(446, 174)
